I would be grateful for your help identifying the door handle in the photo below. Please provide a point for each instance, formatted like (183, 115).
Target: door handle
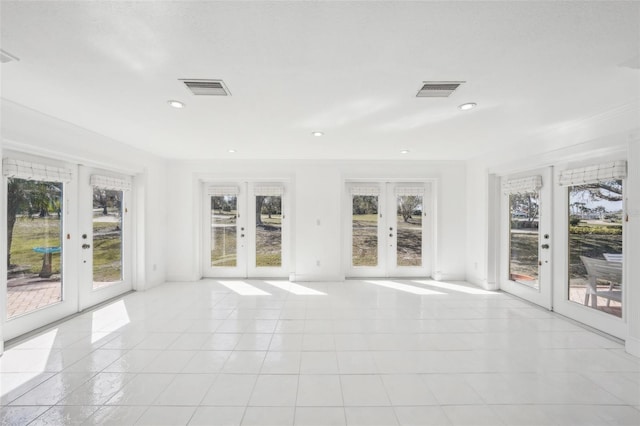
(241, 235)
(86, 246)
(391, 235)
(545, 246)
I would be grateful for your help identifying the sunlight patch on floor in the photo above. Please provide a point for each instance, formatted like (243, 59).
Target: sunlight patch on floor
(296, 289)
(455, 287)
(406, 288)
(243, 289)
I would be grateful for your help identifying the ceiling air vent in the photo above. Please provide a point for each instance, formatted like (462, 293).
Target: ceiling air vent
(438, 89)
(207, 87)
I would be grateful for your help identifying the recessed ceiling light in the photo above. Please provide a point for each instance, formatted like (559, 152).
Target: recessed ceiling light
(232, 151)
(317, 134)
(468, 106)
(404, 151)
(176, 104)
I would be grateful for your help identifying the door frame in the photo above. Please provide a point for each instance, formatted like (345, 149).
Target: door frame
(543, 295)
(30, 321)
(602, 321)
(88, 296)
(387, 209)
(246, 219)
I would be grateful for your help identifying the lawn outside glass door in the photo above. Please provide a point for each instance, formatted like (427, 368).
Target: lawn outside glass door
(39, 218)
(388, 229)
(105, 235)
(591, 219)
(526, 239)
(246, 232)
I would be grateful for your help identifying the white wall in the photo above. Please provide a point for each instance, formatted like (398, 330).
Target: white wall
(26, 130)
(318, 188)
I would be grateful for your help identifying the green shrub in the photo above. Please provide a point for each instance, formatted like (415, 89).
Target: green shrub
(597, 230)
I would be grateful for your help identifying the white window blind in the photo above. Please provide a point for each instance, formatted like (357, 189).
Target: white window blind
(218, 190)
(417, 191)
(269, 190)
(112, 183)
(34, 171)
(613, 170)
(365, 190)
(522, 185)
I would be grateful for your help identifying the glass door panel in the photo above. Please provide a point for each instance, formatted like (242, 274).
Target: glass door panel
(41, 264)
(105, 240)
(524, 238)
(107, 227)
(34, 245)
(268, 221)
(409, 230)
(224, 231)
(595, 246)
(364, 226)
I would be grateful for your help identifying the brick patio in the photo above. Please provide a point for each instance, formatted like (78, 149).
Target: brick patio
(28, 293)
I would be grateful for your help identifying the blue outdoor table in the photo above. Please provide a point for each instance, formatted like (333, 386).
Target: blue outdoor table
(45, 272)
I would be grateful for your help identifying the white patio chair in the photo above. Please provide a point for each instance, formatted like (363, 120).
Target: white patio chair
(602, 270)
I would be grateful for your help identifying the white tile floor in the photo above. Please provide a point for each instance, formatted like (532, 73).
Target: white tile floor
(358, 353)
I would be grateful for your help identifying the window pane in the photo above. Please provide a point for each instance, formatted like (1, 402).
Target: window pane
(365, 230)
(224, 213)
(268, 230)
(409, 231)
(595, 246)
(107, 237)
(34, 245)
(524, 238)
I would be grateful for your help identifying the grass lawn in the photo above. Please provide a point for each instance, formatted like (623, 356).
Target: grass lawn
(365, 240)
(107, 252)
(45, 232)
(524, 251)
(37, 232)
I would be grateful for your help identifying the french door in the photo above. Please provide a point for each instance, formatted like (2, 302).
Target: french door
(579, 270)
(68, 239)
(105, 235)
(389, 229)
(526, 248)
(246, 230)
(39, 220)
(591, 219)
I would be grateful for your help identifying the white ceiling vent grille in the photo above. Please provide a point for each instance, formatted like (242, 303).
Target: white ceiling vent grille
(207, 87)
(438, 89)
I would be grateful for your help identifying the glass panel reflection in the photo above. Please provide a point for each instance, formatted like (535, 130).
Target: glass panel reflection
(364, 222)
(34, 245)
(268, 231)
(107, 237)
(409, 230)
(524, 210)
(595, 246)
(224, 214)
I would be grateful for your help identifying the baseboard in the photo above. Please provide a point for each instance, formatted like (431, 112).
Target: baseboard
(483, 284)
(311, 277)
(441, 276)
(632, 346)
(183, 278)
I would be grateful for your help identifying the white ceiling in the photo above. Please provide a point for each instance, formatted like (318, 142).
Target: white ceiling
(349, 69)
